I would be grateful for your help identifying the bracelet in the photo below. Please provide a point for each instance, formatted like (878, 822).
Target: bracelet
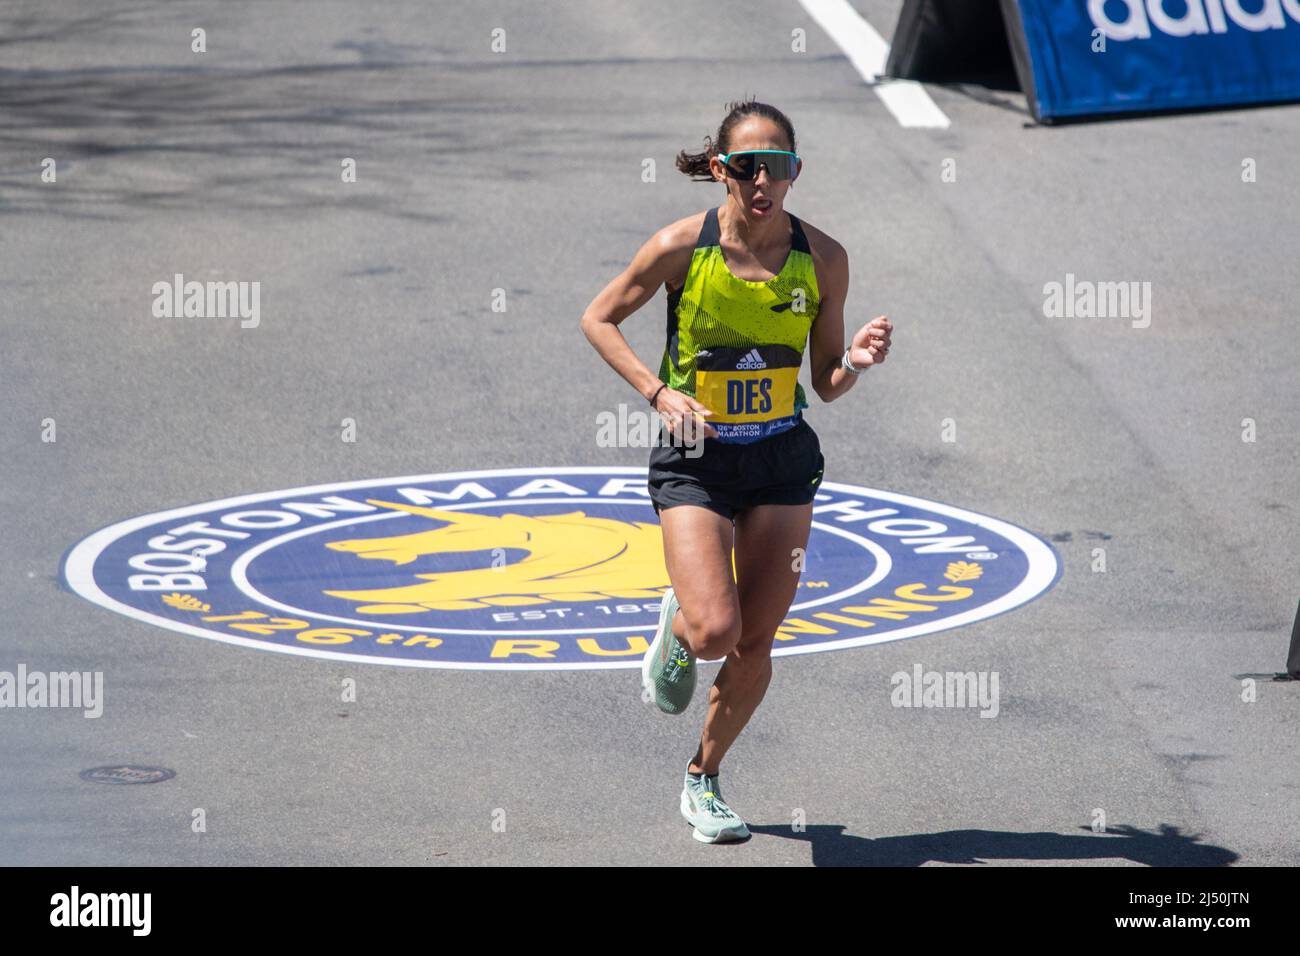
(656, 394)
(849, 366)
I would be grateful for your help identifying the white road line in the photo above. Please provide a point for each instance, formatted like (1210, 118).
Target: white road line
(868, 51)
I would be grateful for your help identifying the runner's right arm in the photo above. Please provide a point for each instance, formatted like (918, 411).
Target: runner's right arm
(663, 258)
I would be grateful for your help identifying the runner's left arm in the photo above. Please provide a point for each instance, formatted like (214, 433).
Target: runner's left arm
(869, 345)
(826, 340)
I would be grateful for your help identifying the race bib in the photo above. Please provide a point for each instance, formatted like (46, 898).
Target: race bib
(750, 391)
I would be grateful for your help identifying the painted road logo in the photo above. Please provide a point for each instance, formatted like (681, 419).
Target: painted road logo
(527, 568)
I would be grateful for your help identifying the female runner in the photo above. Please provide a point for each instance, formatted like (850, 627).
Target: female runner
(748, 285)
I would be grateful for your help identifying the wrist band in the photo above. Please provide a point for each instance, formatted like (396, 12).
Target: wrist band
(656, 394)
(849, 366)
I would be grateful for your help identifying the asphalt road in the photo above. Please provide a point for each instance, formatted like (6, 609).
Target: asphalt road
(522, 171)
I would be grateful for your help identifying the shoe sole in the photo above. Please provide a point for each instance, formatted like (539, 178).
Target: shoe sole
(725, 835)
(655, 646)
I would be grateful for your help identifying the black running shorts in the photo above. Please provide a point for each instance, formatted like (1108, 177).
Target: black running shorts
(727, 477)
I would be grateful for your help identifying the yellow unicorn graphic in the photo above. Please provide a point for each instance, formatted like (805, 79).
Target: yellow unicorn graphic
(571, 557)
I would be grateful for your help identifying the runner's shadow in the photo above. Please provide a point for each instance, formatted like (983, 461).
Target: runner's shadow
(1168, 847)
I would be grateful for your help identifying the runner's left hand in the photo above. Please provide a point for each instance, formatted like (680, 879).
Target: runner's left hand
(870, 346)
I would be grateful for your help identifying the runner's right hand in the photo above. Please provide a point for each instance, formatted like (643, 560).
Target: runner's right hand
(677, 410)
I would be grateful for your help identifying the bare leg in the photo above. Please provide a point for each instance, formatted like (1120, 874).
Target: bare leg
(697, 552)
(766, 581)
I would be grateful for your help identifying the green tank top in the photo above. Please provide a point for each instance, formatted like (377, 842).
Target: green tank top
(736, 346)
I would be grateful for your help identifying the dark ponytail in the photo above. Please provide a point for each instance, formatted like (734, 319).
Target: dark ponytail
(696, 165)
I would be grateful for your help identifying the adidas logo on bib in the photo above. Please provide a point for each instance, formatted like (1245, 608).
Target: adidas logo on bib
(751, 360)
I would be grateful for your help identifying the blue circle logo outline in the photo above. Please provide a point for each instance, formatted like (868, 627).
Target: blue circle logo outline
(888, 618)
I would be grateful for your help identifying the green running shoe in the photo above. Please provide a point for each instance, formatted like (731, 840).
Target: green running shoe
(668, 669)
(705, 810)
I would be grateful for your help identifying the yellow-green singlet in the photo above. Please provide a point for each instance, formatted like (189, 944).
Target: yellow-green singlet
(736, 345)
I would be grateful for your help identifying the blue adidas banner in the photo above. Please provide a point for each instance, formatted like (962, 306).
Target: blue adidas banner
(1103, 56)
